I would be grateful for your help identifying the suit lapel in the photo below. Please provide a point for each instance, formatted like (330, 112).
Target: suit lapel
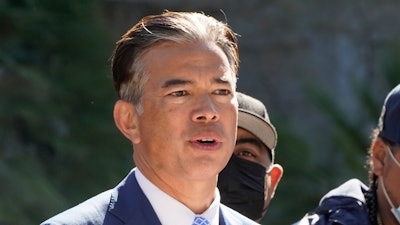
(221, 217)
(130, 204)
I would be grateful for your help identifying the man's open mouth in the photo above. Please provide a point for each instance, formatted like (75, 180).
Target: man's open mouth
(206, 141)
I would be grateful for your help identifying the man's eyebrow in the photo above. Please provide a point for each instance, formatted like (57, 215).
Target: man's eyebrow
(174, 82)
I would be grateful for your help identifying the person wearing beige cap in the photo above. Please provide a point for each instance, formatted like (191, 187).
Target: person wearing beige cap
(248, 182)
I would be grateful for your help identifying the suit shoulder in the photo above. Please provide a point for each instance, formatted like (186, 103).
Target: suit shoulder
(91, 211)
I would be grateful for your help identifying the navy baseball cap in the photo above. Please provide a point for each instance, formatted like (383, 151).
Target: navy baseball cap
(389, 121)
(253, 117)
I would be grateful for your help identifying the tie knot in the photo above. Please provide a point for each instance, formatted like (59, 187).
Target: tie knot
(200, 221)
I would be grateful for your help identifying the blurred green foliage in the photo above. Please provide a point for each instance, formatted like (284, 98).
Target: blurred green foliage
(311, 173)
(58, 142)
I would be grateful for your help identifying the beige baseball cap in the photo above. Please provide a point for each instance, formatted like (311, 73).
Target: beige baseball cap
(253, 117)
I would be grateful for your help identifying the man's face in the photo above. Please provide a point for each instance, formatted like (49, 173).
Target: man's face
(188, 125)
(388, 173)
(249, 147)
(391, 174)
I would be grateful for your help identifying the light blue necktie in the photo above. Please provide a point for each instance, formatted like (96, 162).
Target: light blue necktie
(200, 221)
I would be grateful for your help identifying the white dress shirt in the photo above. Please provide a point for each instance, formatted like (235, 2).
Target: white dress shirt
(169, 210)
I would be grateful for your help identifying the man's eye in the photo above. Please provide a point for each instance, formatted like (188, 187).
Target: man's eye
(179, 93)
(246, 154)
(223, 92)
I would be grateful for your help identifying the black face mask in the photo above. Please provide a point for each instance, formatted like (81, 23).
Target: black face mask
(241, 185)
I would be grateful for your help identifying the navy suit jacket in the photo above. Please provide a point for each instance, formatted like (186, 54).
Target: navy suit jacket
(127, 204)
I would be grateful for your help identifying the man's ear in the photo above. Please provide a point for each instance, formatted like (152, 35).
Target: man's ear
(379, 153)
(126, 119)
(275, 175)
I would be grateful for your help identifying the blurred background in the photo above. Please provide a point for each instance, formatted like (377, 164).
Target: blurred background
(323, 68)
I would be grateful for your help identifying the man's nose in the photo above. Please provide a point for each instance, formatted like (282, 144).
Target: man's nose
(206, 110)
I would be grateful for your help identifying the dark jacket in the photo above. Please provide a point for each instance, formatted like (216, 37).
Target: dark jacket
(344, 205)
(126, 204)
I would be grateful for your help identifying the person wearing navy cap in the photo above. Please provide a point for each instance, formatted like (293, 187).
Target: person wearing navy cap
(355, 203)
(248, 182)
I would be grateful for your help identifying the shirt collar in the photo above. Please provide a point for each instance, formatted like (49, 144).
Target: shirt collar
(169, 209)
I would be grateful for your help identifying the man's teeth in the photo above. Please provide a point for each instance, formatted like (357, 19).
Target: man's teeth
(206, 140)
